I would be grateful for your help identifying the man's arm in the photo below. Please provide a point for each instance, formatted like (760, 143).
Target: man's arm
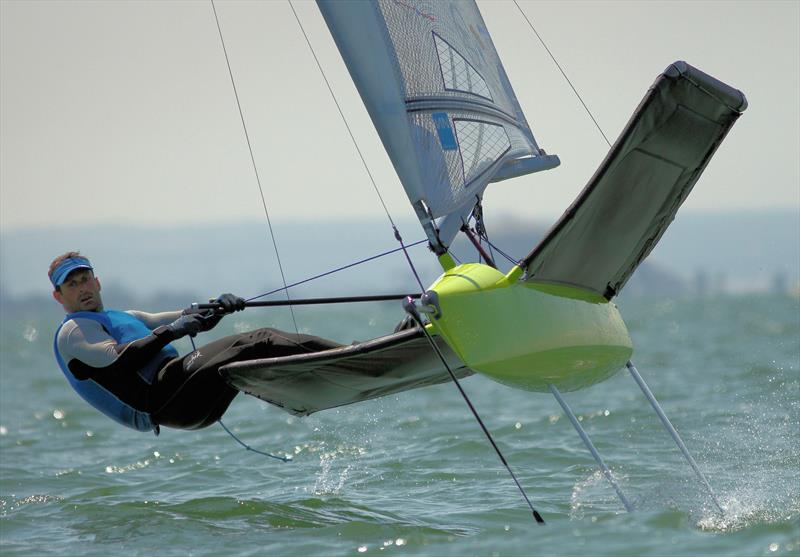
(154, 320)
(85, 340)
(228, 304)
(87, 348)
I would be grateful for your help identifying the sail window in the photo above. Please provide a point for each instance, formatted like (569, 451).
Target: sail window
(458, 74)
(481, 144)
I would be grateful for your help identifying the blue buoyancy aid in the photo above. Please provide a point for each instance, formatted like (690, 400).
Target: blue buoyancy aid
(123, 328)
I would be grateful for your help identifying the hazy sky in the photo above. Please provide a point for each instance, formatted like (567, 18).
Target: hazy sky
(124, 112)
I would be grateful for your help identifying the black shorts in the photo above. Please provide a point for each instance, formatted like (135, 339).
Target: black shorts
(189, 392)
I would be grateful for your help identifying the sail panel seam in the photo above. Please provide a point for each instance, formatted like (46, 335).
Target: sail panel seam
(435, 103)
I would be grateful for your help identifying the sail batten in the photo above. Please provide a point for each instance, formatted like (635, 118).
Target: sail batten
(436, 104)
(437, 93)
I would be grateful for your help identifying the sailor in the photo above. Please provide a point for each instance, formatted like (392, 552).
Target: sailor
(122, 362)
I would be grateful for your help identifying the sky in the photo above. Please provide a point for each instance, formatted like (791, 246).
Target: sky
(123, 112)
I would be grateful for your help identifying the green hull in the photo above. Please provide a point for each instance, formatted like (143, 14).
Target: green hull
(527, 335)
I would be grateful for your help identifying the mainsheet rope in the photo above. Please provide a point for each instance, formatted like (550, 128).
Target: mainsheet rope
(255, 166)
(287, 458)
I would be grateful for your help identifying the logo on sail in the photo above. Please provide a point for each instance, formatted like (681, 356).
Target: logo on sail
(445, 131)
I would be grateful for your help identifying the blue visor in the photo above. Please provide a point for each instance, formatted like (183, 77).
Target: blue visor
(66, 267)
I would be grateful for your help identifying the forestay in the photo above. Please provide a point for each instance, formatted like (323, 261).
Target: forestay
(440, 100)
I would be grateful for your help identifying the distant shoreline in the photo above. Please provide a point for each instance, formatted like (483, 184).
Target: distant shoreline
(702, 252)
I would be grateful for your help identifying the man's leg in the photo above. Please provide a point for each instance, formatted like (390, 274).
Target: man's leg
(190, 394)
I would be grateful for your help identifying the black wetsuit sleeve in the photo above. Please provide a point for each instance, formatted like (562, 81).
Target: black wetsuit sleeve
(132, 357)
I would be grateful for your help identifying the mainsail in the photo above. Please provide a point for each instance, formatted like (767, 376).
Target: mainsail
(440, 100)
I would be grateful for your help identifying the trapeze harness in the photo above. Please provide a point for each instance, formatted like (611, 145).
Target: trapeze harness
(120, 394)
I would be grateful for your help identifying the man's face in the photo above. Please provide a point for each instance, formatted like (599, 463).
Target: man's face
(80, 292)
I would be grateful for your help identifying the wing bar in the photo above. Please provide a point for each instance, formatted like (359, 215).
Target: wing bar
(632, 198)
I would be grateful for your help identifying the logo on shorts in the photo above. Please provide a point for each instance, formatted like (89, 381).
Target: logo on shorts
(187, 363)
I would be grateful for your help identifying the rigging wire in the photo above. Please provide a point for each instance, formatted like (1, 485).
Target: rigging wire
(589, 112)
(536, 515)
(326, 273)
(341, 113)
(501, 252)
(355, 144)
(255, 166)
(483, 233)
(480, 226)
(411, 309)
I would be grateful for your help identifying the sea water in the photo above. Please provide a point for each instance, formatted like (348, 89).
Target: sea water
(413, 474)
